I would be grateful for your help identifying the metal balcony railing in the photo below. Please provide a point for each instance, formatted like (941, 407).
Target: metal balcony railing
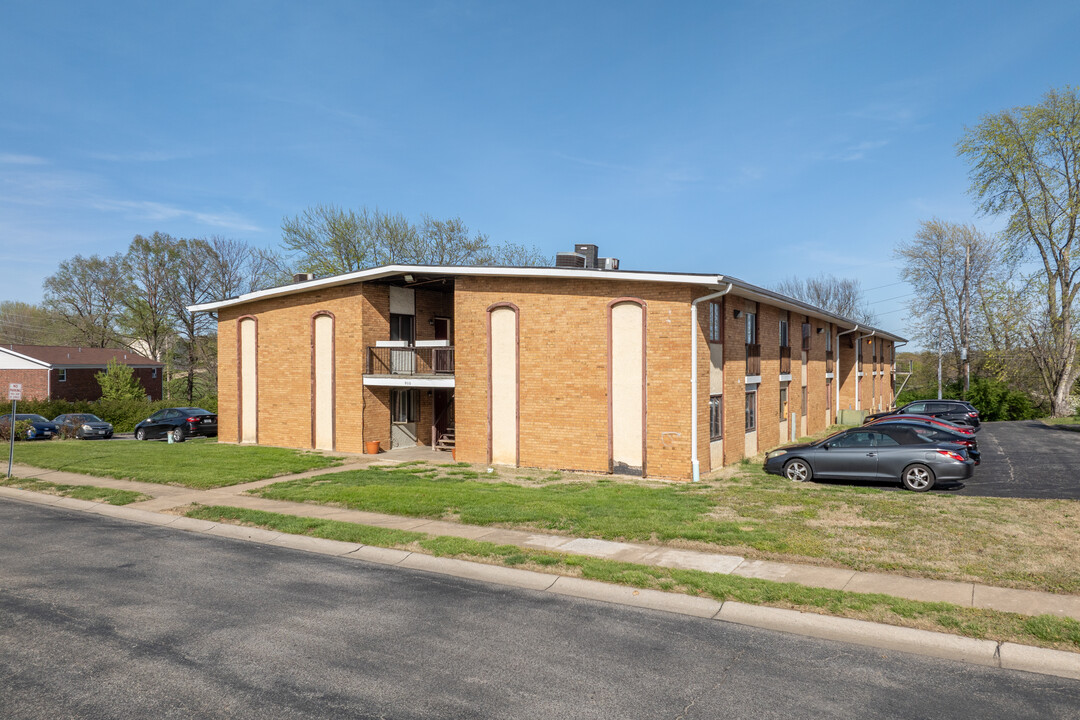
(785, 360)
(410, 361)
(753, 359)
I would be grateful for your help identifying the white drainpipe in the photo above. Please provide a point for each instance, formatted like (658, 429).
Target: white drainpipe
(858, 354)
(836, 373)
(693, 374)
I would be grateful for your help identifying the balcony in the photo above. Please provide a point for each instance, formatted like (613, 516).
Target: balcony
(785, 360)
(753, 359)
(828, 361)
(410, 366)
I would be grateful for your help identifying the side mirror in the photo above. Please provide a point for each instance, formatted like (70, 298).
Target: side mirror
(825, 446)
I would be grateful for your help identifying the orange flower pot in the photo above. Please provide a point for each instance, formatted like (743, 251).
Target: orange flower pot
(371, 447)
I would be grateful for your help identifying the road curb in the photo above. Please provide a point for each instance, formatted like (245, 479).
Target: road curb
(1009, 656)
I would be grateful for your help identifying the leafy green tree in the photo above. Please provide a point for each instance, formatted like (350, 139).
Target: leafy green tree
(118, 382)
(1025, 164)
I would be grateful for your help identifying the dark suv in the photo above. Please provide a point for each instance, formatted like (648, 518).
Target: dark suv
(955, 411)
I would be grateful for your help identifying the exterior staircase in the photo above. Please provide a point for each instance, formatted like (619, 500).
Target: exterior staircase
(446, 441)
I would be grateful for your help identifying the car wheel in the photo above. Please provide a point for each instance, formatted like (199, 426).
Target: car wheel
(798, 470)
(178, 434)
(140, 434)
(917, 478)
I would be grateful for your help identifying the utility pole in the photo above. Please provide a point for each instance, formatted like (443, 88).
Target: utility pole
(965, 330)
(939, 364)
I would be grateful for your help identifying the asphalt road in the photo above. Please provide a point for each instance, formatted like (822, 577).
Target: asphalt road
(1026, 459)
(100, 619)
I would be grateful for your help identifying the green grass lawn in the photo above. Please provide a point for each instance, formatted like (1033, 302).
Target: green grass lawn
(1043, 630)
(198, 463)
(79, 492)
(1008, 542)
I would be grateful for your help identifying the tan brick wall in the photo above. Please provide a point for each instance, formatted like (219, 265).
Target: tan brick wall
(734, 380)
(768, 405)
(815, 377)
(563, 405)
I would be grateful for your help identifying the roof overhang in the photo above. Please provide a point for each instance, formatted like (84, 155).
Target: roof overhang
(27, 358)
(708, 282)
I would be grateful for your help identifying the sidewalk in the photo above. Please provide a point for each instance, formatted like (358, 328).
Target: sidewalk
(964, 594)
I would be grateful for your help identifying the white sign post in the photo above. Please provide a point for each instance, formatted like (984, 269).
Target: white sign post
(14, 395)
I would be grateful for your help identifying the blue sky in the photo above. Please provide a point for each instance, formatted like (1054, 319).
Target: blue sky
(761, 140)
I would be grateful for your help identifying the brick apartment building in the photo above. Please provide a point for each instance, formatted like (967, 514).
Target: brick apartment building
(601, 370)
(61, 372)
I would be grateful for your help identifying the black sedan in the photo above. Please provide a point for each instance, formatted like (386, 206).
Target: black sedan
(890, 453)
(179, 423)
(84, 426)
(40, 428)
(955, 411)
(937, 433)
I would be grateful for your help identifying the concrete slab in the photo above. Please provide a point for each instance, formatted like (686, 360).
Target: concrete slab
(1040, 660)
(385, 556)
(315, 545)
(186, 523)
(643, 598)
(499, 536)
(239, 532)
(470, 532)
(1026, 602)
(399, 523)
(861, 632)
(690, 560)
(479, 571)
(597, 548)
(810, 575)
(912, 588)
(546, 542)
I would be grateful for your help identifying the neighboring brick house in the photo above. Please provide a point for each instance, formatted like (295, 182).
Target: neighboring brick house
(54, 372)
(572, 368)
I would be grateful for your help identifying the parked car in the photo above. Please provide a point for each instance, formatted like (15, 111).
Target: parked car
(937, 433)
(84, 426)
(874, 453)
(926, 420)
(179, 422)
(40, 427)
(955, 411)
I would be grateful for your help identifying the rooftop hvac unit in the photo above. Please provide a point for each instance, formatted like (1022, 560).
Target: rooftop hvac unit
(607, 263)
(303, 277)
(569, 260)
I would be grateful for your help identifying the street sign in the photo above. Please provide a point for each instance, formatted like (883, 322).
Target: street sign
(14, 391)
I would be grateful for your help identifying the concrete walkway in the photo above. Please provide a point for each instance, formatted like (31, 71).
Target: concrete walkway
(167, 498)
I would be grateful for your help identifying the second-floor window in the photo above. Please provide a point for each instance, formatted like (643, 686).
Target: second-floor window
(784, 333)
(751, 328)
(716, 322)
(403, 327)
(806, 336)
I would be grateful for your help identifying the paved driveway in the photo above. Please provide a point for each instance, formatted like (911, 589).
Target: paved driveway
(1026, 459)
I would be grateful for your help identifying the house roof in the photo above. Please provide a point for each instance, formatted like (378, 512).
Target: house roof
(72, 356)
(707, 282)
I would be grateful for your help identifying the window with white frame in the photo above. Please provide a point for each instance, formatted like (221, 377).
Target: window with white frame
(61, 375)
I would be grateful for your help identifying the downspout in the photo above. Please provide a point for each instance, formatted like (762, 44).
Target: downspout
(858, 354)
(693, 374)
(837, 373)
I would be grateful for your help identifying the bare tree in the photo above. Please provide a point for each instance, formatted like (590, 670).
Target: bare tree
(147, 318)
(1025, 163)
(193, 284)
(25, 324)
(88, 293)
(841, 296)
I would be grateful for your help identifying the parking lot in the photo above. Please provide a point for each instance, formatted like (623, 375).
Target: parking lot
(1026, 459)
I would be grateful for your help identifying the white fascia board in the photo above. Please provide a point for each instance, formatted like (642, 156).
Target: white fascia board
(451, 270)
(18, 361)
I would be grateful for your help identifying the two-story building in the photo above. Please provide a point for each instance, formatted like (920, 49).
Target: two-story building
(582, 368)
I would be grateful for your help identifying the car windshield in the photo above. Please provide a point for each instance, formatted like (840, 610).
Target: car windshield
(87, 418)
(31, 417)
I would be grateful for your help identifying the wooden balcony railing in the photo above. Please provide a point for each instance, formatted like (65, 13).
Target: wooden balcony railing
(828, 361)
(410, 361)
(785, 360)
(753, 359)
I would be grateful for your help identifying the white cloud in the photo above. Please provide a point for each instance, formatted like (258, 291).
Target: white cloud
(15, 159)
(149, 210)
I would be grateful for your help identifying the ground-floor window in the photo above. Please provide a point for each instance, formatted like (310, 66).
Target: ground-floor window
(751, 411)
(716, 417)
(828, 394)
(783, 404)
(403, 406)
(804, 400)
